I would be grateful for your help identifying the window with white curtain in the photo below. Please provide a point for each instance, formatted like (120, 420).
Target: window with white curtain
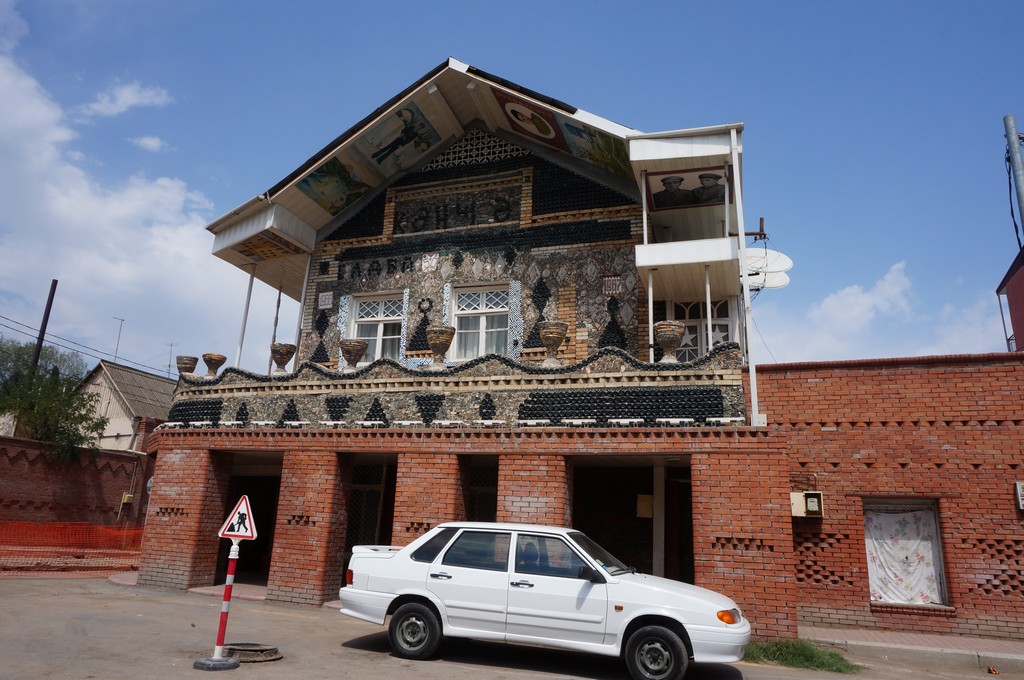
(481, 322)
(379, 322)
(904, 552)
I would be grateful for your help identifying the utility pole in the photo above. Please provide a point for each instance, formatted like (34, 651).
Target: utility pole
(1013, 153)
(42, 326)
(118, 345)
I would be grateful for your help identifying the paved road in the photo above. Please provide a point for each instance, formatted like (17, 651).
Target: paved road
(92, 628)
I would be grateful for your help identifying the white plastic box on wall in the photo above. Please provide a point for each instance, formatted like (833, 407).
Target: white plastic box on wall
(806, 504)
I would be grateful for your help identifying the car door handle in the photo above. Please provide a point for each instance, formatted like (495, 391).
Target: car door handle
(441, 575)
(521, 584)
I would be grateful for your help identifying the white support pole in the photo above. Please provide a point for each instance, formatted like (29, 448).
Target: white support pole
(302, 310)
(273, 332)
(245, 317)
(658, 558)
(755, 413)
(650, 273)
(707, 301)
(643, 201)
(650, 316)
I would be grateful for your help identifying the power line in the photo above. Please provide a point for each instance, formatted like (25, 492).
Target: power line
(92, 351)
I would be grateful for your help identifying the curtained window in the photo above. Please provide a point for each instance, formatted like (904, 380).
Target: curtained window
(904, 553)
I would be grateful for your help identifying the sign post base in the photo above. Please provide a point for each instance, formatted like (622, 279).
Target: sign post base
(227, 663)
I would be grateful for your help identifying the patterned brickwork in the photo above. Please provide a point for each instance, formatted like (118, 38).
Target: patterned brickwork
(428, 492)
(188, 506)
(311, 524)
(34, 488)
(944, 429)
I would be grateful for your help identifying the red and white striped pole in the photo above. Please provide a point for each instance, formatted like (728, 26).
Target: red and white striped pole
(218, 661)
(218, 651)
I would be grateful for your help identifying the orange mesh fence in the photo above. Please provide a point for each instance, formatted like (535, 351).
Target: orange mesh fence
(68, 546)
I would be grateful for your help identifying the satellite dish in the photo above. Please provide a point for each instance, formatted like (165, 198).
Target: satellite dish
(762, 280)
(766, 260)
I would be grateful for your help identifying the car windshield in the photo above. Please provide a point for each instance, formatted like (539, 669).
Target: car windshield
(608, 562)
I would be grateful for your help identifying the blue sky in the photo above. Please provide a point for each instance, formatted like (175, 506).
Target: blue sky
(873, 148)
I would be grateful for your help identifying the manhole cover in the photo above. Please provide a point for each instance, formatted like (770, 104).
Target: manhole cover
(252, 652)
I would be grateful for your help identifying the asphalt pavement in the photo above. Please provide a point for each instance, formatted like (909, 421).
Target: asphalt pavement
(70, 626)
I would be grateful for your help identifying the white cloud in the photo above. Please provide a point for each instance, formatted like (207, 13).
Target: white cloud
(119, 98)
(136, 250)
(883, 320)
(149, 143)
(12, 27)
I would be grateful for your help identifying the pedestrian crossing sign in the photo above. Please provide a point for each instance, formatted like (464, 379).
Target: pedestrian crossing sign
(239, 524)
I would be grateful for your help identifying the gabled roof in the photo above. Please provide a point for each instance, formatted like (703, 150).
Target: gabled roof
(271, 234)
(145, 395)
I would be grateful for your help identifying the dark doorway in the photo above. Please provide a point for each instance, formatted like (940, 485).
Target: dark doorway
(253, 556)
(679, 525)
(604, 507)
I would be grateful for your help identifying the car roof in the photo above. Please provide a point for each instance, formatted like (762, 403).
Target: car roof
(506, 526)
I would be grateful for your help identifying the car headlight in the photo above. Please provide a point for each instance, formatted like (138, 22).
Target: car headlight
(730, 616)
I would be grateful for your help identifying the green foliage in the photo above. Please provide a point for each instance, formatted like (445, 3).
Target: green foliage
(798, 654)
(47, 404)
(16, 357)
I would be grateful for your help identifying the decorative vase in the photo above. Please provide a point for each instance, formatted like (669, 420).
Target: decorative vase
(213, 362)
(439, 339)
(281, 353)
(669, 335)
(187, 365)
(552, 335)
(352, 350)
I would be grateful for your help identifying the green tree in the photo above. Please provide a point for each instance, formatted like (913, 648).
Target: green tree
(46, 403)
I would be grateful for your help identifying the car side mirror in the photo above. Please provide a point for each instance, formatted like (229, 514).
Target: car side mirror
(590, 574)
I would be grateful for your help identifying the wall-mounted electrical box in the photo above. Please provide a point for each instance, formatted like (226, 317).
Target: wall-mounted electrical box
(127, 498)
(806, 504)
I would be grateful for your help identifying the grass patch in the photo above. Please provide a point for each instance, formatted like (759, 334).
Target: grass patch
(799, 654)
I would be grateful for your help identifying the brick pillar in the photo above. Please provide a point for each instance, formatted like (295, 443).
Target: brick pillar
(312, 521)
(428, 491)
(534, 489)
(186, 510)
(743, 536)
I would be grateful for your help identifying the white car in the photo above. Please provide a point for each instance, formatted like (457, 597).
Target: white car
(541, 586)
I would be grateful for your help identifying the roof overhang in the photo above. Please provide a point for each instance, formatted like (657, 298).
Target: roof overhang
(272, 234)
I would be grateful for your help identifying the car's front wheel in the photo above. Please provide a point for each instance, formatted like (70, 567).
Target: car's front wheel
(414, 632)
(656, 653)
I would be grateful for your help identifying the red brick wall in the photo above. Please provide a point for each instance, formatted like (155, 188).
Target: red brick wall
(309, 536)
(428, 491)
(947, 429)
(742, 534)
(34, 489)
(534, 489)
(186, 510)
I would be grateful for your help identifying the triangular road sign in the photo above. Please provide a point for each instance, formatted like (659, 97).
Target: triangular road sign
(239, 523)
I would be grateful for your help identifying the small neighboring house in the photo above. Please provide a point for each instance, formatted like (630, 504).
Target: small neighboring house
(127, 395)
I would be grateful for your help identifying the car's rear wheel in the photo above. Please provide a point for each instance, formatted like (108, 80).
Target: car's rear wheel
(656, 653)
(414, 632)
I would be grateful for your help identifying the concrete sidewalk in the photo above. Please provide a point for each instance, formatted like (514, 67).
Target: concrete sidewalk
(1003, 656)
(994, 656)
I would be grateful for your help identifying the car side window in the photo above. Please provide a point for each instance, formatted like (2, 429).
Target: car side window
(429, 550)
(479, 550)
(546, 556)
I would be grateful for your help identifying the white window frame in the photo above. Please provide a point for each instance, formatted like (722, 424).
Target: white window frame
(486, 309)
(695, 341)
(394, 303)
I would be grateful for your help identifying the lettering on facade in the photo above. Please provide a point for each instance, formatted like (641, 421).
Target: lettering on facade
(483, 207)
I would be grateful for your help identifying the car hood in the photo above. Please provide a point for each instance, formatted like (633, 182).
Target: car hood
(675, 593)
